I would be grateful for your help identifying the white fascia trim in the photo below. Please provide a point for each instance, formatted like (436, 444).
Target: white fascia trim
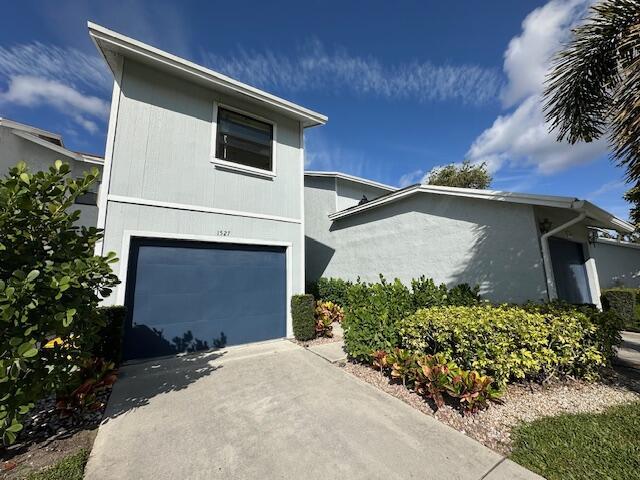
(592, 211)
(129, 234)
(618, 243)
(5, 122)
(108, 154)
(351, 178)
(227, 165)
(51, 146)
(302, 247)
(118, 43)
(198, 208)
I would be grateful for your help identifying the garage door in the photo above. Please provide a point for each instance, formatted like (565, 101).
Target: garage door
(189, 296)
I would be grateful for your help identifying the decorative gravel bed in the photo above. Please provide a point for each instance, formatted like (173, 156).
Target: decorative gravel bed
(47, 437)
(521, 403)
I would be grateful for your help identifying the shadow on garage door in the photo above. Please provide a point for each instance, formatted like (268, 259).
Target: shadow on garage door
(185, 296)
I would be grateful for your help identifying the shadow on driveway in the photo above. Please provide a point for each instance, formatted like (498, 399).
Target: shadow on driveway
(139, 382)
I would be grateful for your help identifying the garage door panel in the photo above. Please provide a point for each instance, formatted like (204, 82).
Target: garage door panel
(188, 296)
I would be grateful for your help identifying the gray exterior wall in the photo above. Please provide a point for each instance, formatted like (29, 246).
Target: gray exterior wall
(618, 264)
(350, 193)
(14, 149)
(450, 239)
(161, 153)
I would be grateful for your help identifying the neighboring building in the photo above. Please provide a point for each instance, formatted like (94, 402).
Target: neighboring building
(202, 200)
(497, 240)
(39, 149)
(618, 263)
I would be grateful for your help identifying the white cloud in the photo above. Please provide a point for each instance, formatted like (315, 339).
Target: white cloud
(323, 155)
(608, 187)
(34, 91)
(39, 75)
(65, 65)
(314, 68)
(528, 55)
(521, 137)
(417, 176)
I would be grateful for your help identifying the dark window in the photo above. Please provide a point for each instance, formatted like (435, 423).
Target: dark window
(244, 140)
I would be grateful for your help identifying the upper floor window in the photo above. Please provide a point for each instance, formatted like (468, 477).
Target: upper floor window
(244, 140)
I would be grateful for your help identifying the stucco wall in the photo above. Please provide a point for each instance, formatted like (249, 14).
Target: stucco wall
(14, 149)
(161, 153)
(451, 239)
(617, 264)
(349, 193)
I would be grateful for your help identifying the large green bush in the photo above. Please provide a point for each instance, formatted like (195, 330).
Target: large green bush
(332, 290)
(374, 310)
(50, 286)
(622, 301)
(511, 342)
(303, 309)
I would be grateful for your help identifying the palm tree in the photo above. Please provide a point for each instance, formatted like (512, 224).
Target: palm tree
(593, 88)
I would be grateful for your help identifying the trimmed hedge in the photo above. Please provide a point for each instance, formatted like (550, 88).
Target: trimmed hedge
(109, 345)
(303, 317)
(374, 310)
(514, 343)
(622, 301)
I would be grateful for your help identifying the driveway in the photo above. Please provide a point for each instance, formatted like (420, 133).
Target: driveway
(274, 410)
(629, 351)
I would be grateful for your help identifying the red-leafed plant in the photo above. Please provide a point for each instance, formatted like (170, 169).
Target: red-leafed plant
(95, 376)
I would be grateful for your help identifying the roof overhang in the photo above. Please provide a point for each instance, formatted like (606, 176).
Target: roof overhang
(16, 126)
(350, 178)
(595, 215)
(80, 157)
(112, 44)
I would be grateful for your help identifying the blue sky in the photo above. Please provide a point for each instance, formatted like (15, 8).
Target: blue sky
(407, 86)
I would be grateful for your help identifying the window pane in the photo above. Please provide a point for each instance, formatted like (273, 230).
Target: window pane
(244, 140)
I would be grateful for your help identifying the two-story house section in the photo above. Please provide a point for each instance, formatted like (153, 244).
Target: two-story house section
(203, 201)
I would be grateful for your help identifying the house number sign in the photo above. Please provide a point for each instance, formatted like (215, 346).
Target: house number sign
(224, 233)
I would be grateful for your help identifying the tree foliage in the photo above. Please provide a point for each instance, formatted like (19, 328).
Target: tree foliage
(593, 87)
(50, 286)
(466, 175)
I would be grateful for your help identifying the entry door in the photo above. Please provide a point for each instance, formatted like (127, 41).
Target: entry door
(189, 296)
(569, 270)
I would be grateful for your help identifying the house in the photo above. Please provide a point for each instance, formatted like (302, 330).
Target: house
(202, 200)
(39, 149)
(516, 247)
(618, 263)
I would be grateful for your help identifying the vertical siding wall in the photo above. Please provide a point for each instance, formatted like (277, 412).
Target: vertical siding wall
(617, 264)
(14, 149)
(161, 153)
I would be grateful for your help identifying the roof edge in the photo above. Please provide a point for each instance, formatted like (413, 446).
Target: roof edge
(352, 178)
(120, 43)
(572, 203)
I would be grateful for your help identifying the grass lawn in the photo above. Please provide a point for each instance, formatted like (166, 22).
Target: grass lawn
(583, 446)
(69, 468)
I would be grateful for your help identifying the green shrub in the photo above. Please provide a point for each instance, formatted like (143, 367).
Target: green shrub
(374, 310)
(510, 342)
(109, 345)
(303, 317)
(622, 301)
(50, 286)
(332, 290)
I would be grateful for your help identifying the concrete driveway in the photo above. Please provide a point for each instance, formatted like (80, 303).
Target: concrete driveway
(269, 411)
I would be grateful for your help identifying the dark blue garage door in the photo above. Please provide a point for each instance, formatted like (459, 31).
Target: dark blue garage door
(189, 296)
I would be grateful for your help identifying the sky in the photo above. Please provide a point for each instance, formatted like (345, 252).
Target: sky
(408, 86)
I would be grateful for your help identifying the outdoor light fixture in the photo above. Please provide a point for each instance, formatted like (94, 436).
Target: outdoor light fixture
(545, 225)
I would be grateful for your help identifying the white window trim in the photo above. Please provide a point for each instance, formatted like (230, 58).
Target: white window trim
(126, 247)
(225, 164)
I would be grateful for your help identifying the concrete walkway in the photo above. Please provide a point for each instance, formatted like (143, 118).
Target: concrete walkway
(274, 410)
(629, 351)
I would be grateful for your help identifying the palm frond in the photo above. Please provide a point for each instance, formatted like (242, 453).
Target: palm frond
(579, 89)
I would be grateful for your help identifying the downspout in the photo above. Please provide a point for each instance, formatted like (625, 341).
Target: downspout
(546, 253)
